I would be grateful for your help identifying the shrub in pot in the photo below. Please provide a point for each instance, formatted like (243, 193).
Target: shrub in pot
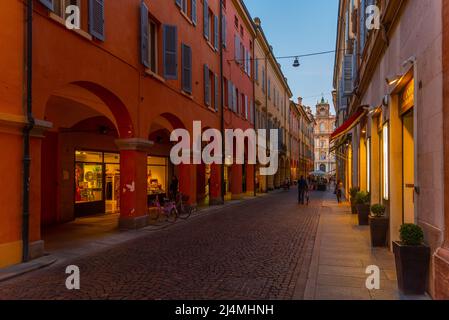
(378, 223)
(362, 202)
(412, 258)
(353, 193)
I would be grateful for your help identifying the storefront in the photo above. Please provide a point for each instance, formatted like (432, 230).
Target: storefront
(97, 183)
(158, 174)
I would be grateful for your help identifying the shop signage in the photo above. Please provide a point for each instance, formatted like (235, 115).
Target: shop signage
(407, 97)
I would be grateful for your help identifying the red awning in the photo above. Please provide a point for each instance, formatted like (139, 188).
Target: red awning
(348, 124)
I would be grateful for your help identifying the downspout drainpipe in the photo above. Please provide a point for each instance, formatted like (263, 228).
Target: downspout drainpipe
(223, 184)
(26, 133)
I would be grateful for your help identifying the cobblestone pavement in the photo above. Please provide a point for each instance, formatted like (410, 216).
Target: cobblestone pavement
(255, 250)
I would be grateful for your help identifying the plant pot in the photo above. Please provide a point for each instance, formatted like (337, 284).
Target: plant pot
(412, 267)
(363, 211)
(379, 230)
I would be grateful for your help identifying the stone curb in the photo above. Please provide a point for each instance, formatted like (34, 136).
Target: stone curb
(21, 269)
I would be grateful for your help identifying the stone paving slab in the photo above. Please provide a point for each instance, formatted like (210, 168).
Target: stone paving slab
(342, 251)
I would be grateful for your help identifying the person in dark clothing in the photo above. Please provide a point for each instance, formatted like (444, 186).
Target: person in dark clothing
(174, 187)
(338, 190)
(302, 189)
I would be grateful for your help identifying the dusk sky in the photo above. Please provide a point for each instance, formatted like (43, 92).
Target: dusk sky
(296, 27)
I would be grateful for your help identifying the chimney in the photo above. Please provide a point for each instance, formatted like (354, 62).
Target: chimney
(257, 22)
(300, 101)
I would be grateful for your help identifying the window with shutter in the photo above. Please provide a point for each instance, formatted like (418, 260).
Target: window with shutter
(362, 25)
(246, 107)
(216, 99)
(263, 81)
(170, 50)
(194, 15)
(186, 69)
(48, 4)
(237, 49)
(144, 35)
(256, 69)
(96, 19)
(224, 31)
(216, 34)
(206, 19)
(348, 84)
(230, 95)
(206, 86)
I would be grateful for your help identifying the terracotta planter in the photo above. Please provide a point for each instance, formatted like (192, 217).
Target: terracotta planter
(363, 210)
(412, 267)
(379, 231)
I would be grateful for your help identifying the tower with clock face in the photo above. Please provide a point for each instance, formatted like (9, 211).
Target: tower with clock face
(325, 125)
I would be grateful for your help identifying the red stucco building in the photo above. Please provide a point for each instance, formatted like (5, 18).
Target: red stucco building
(105, 99)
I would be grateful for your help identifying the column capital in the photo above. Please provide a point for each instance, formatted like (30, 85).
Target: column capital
(134, 144)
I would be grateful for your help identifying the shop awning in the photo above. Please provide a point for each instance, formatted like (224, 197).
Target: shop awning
(348, 124)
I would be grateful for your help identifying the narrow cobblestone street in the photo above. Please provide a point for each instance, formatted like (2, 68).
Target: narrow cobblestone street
(254, 250)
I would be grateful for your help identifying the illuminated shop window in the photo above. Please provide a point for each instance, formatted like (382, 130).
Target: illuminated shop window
(368, 164)
(385, 164)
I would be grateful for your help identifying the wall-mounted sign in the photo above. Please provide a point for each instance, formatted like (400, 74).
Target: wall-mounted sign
(407, 97)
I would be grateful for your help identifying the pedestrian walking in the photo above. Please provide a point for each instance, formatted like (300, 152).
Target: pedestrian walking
(338, 190)
(302, 188)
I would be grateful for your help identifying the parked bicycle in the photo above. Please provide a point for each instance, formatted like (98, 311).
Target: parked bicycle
(167, 209)
(184, 210)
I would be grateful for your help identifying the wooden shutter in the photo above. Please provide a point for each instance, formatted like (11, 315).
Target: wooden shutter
(144, 35)
(186, 68)
(206, 19)
(256, 69)
(96, 19)
(224, 31)
(234, 98)
(237, 49)
(348, 84)
(170, 49)
(230, 96)
(206, 86)
(178, 3)
(246, 106)
(216, 92)
(362, 23)
(194, 16)
(216, 33)
(48, 4)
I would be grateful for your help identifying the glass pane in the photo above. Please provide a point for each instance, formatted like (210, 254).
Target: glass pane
(112, 158)
(87, 156)
(157, 179)
(157, 161)
(88, 182)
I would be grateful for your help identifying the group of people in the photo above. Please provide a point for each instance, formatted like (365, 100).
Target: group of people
(305, 185)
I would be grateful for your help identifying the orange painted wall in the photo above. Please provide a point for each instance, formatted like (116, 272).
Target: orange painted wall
(62, 58)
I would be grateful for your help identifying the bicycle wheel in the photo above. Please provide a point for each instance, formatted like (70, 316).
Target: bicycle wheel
(154, 215)
(172, 216)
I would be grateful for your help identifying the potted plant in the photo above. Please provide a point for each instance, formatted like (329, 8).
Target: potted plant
(412, 258)
(362, 202)
(378, 223)
(353, 193)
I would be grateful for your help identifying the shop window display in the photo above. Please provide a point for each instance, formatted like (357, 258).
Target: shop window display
(157, 175)
(97, 182)
(88, 177)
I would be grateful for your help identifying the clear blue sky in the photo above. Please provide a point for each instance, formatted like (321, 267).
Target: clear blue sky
(295, 27)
